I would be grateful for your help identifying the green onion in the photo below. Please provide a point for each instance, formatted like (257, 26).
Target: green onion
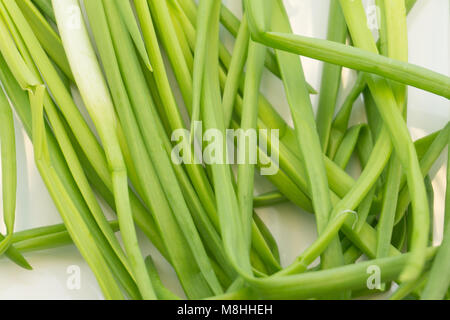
(359, 59)
(331, 75)
(9, 169)
(439, 278)
(255, 64)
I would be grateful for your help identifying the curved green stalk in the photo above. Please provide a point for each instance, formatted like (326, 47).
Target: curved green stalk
(201, 47)
(439, 279)
(9, 170)
(255, 64)
(235, 70)
(331, 76)
(340, 122)
(269, 199)
(348, 145)
(426, 162)
(358, 59)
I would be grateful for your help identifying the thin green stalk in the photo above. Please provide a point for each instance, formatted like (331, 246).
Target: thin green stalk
(358, 59)
(246, 152)
(426, 162)
(235, 70)
(348, 145)
(47, 237)
(320, 283)
(161, 291)
(331, 76)
(340, 122)
(9, 170)
(201, 47)
(130, 21)
(439, 279)
(269, 199)
(407, 288)
(387, 215)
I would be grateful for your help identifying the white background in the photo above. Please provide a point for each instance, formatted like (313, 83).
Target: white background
(294, 230)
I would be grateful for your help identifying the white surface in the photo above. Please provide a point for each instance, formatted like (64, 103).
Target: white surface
(294, 230)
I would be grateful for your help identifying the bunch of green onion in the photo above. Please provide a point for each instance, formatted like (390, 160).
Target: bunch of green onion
(201, 217)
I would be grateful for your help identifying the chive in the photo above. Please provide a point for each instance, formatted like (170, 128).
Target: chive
(161, 291)
(235, 70)
(426, 162)
(269, 199)
(331, 75)
(439, 279)
(407, 287)
(255, 64)
(9, 170)
(203, 22)
(340, 123)
(347, 146)
(130, 21)
(359, 59)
